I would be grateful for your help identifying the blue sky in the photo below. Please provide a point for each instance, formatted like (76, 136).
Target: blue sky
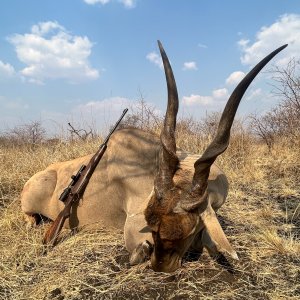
(84, 60)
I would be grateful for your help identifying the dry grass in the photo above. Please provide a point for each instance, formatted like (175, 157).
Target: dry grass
(259, 219)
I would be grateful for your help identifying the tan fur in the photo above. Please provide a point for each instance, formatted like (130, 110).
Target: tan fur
(214, 231)
(120, 189)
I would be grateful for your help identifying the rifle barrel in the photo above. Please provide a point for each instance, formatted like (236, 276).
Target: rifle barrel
(76, 189)
(116, 125)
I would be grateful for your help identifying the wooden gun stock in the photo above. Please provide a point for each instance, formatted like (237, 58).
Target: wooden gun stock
(52, 233)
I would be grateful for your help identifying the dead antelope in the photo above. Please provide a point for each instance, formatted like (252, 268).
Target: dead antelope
(165, 200)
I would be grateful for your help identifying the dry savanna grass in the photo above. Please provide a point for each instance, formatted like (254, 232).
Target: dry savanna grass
(260, 218)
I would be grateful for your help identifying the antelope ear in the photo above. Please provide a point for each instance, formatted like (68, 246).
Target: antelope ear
(146, 229)
(216, 232)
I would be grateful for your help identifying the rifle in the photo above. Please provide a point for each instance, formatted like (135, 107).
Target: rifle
(76, 188)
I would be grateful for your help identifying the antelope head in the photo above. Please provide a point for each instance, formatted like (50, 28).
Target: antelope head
(179, 206)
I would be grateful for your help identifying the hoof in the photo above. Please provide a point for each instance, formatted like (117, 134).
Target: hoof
(141, 253)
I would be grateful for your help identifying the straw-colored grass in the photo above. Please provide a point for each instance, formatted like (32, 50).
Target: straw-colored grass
(259, 218)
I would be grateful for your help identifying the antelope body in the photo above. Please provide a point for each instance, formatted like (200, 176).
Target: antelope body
(164, 199)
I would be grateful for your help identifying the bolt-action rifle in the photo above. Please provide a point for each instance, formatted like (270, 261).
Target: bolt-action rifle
(75, 190)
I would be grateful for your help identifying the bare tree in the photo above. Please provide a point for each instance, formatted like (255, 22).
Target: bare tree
(283, 120)
(288, 84)
(143, 116)
(32, 133)
(288, 89)
(262, 127)
(82, 134)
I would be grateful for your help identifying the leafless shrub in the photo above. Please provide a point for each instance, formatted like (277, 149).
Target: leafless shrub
(288, 84)
(32, 134)
(283, 120)
(143, 116)
(263, 127)
(209, 124)
(82, 134)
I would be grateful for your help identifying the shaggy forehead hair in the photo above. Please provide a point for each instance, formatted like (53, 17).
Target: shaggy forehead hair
(160, 216)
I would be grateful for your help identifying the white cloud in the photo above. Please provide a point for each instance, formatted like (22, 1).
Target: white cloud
(254, 93)
(126, 3)
(197, 100)
(108, 104)
(218, 96)
(190, 65)
(286, 30)
(243, 43)
(235, 77)
(155, 58)
(92, 2)
(43, 28)
(6, 70)
(50, 52)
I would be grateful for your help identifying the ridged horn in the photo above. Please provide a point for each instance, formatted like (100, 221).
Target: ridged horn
(168, 160)
(221, 140)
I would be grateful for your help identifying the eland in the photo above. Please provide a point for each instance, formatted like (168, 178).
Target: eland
(164, 199)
